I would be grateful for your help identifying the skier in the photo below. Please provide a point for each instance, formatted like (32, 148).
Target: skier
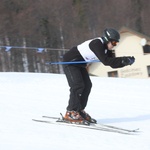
(99, 48)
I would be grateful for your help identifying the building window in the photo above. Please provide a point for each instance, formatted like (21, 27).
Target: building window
(113, 74)
(146, 49)
(148, 70)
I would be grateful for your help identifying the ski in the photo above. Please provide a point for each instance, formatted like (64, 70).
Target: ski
(119, 128)
(50, 117)
(101, 125)
(61, 122)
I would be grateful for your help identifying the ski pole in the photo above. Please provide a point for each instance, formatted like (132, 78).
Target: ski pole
(71, 62)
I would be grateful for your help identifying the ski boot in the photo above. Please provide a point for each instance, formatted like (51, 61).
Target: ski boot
(87, 117)
(75, 117)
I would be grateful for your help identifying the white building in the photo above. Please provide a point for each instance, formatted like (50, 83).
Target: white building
(131, 44)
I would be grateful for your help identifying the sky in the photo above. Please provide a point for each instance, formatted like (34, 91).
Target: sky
(119, 102)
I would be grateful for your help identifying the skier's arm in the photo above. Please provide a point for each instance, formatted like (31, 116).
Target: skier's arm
(115, 62)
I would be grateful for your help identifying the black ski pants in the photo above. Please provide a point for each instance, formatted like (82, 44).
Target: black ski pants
(80, 86)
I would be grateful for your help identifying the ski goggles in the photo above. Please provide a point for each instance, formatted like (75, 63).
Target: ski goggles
(114, 43)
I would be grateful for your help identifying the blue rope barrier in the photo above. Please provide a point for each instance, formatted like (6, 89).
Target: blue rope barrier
(39, 49)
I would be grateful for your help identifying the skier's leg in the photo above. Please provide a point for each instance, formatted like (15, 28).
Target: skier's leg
(87, 88)
(76, 83)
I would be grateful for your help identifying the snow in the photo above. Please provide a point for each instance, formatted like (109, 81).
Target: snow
(114, 101)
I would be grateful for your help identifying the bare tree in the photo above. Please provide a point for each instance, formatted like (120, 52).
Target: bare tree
(57, 24)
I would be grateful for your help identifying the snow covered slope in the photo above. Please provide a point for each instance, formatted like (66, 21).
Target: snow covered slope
(120, 102)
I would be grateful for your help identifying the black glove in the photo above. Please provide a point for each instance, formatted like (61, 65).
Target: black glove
(128, 60)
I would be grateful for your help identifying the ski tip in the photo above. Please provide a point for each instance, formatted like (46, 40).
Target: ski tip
(136, 130)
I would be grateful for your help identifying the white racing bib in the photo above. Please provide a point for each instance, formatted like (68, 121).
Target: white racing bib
(86, 52)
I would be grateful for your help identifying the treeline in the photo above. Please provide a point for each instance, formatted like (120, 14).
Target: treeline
(60, 24)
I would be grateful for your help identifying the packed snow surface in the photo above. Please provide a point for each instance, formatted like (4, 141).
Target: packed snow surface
(114, 101)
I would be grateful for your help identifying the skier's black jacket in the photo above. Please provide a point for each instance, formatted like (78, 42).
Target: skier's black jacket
(100, 50)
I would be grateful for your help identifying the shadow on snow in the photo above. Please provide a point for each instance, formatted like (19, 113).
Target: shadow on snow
(127, 119)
